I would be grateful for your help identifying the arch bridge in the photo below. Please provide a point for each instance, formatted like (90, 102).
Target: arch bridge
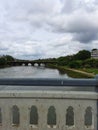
(33, 63)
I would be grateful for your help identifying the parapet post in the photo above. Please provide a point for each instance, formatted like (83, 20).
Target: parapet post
(96, 77)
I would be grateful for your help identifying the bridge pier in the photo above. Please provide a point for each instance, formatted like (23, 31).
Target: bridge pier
(26, 64)
(32, 64)
(38, 64)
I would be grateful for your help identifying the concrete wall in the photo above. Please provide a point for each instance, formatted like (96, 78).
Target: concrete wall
(61, 100)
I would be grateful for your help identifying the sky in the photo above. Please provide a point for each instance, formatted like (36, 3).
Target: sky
(36, 29)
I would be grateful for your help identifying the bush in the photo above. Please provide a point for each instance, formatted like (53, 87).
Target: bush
(3, 61)
(9, 58)
(93, 63)
(75, 64)
(82, 55)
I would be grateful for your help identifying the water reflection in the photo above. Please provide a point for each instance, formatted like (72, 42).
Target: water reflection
(61, 72)
(31, 72)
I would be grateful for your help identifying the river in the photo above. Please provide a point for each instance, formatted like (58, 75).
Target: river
(30, 72)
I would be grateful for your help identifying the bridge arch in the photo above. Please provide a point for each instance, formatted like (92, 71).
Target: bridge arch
(39, 63)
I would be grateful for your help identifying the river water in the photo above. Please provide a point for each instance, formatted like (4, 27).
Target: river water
(30, 72)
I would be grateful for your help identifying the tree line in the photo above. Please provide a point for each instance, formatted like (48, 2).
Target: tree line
(5, 59)
(82, 59)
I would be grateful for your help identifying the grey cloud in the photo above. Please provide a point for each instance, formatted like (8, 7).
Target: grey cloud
(81, 24)
(59, 45)
(73, 5)
(69, 6)
(31, 56)
(3, 48)
(84, 31)
(86, 37)
(82, 27)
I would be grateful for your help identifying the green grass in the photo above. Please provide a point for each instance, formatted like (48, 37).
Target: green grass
(90, 70)
(74, 74)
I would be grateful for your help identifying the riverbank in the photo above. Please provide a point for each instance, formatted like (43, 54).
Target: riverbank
(74, 73)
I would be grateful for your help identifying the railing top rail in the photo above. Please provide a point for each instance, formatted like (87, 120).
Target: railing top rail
(50, 82)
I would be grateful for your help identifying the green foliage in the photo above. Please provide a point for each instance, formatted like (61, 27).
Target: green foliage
(73, 61)
(64, 61)
(3, 61)
(91, 70)
(9, 58)
(61, 61)
(75, 64)
(91, 63)
(82, 55)
(70, 73)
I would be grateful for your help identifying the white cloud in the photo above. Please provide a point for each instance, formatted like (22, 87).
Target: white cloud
(47, 28)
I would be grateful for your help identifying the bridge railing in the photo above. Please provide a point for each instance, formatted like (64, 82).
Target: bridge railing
(31, 110)
(50, 82)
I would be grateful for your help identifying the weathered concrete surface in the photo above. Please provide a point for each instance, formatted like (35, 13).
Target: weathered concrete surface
(61, 100)
(49, 94)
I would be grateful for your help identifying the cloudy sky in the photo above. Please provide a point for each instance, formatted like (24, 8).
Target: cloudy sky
(33, 29)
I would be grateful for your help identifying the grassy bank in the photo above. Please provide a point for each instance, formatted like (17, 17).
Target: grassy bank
(90, 70)
(72, 72)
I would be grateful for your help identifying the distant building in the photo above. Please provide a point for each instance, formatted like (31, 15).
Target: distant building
(94, 53)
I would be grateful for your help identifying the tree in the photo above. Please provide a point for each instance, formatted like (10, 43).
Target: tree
(82, 55)
(91, 63)
(75, 64)
(3, 61)
(9, 58)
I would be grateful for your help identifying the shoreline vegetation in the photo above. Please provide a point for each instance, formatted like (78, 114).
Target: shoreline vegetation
(79, 65)
(74, 73)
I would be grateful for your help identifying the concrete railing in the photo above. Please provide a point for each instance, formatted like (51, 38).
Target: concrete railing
(48, 104)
